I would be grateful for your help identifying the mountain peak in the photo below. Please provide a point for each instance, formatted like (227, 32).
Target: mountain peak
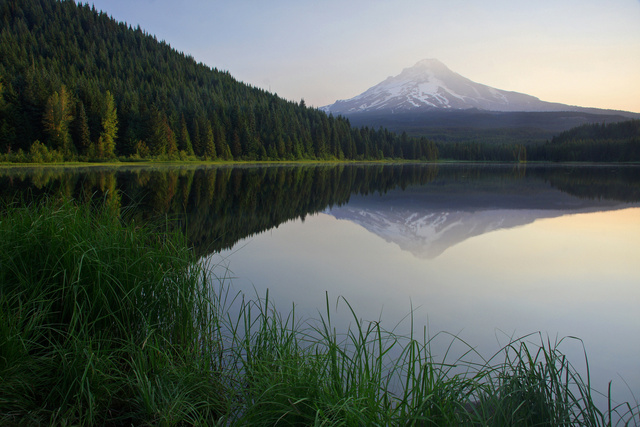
(430, 64)
(426, 69)
(430, 85)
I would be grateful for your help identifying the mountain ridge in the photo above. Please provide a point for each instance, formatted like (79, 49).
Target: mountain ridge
(430, 86)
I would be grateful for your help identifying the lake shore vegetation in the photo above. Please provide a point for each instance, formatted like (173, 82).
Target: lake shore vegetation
(112, 322)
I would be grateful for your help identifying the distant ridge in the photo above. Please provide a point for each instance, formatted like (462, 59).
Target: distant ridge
(432, 101)
(431, 86)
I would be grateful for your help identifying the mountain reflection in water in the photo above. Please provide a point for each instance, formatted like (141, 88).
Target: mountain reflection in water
(429, 219)
(426, 208)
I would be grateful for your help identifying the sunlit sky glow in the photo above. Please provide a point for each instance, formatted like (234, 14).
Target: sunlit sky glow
(577, 52)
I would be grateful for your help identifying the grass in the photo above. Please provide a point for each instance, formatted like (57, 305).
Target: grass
(108, 323)
(101, 323)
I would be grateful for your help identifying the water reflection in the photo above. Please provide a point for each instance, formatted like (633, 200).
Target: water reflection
(215, 206)
(428, 220)
(431, 206)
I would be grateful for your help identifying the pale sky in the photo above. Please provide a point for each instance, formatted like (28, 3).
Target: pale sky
(577, 52)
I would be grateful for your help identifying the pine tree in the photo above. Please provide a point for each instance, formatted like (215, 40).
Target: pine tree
(184, 142)
(109, 126)
(209, 144)
(197, 139)
(236, 147)
(82, 136)
(7, 125)
(158, 139)
(172, 145)
(222, 148)
(56, 120)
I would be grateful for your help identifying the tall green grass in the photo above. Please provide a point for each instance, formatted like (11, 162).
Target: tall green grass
(102, 322)
(309, 374)
(108, 323)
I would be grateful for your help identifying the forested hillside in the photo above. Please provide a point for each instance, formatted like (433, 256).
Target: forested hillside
(76, 84)
(613, 142)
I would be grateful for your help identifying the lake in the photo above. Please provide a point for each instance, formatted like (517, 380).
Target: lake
(488, 253)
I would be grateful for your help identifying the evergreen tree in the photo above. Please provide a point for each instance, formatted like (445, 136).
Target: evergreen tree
(158, 141)
(209, 144)
(184, 142)
(56, 120)
(197, 139)
(172, 145)
(82, 136)
(109, 126)
(236, 147)
(7, 123)
(222, 148)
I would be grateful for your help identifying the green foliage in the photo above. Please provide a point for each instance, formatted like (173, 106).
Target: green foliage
(109, 126)
(82, 134)
(141, 150)
(184, 141)
(474, 151)
(56, 120)
(209, 143)
(613, 142)
(102, 323)
(7, 122)
(134, 88)
(613, 131)
(39, 153)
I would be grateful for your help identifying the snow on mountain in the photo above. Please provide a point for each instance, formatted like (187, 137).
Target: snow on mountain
(430, 85)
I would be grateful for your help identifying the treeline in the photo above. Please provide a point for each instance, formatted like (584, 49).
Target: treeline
(76, 84)
(482, 151)
(613, 142)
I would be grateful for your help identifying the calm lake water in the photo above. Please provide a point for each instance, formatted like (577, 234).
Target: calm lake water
(488, 253)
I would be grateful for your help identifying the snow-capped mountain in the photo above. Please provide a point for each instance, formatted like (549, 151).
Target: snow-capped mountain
(429, 85)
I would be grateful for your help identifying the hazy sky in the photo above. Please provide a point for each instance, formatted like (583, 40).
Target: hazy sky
(578, 52)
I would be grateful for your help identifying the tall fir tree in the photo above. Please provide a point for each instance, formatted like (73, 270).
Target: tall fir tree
(197, 138)
(172, 145)
(57, 118)
(184, 142)
(82, 135)
(109, 126)
(158, 141)
(209, 145)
